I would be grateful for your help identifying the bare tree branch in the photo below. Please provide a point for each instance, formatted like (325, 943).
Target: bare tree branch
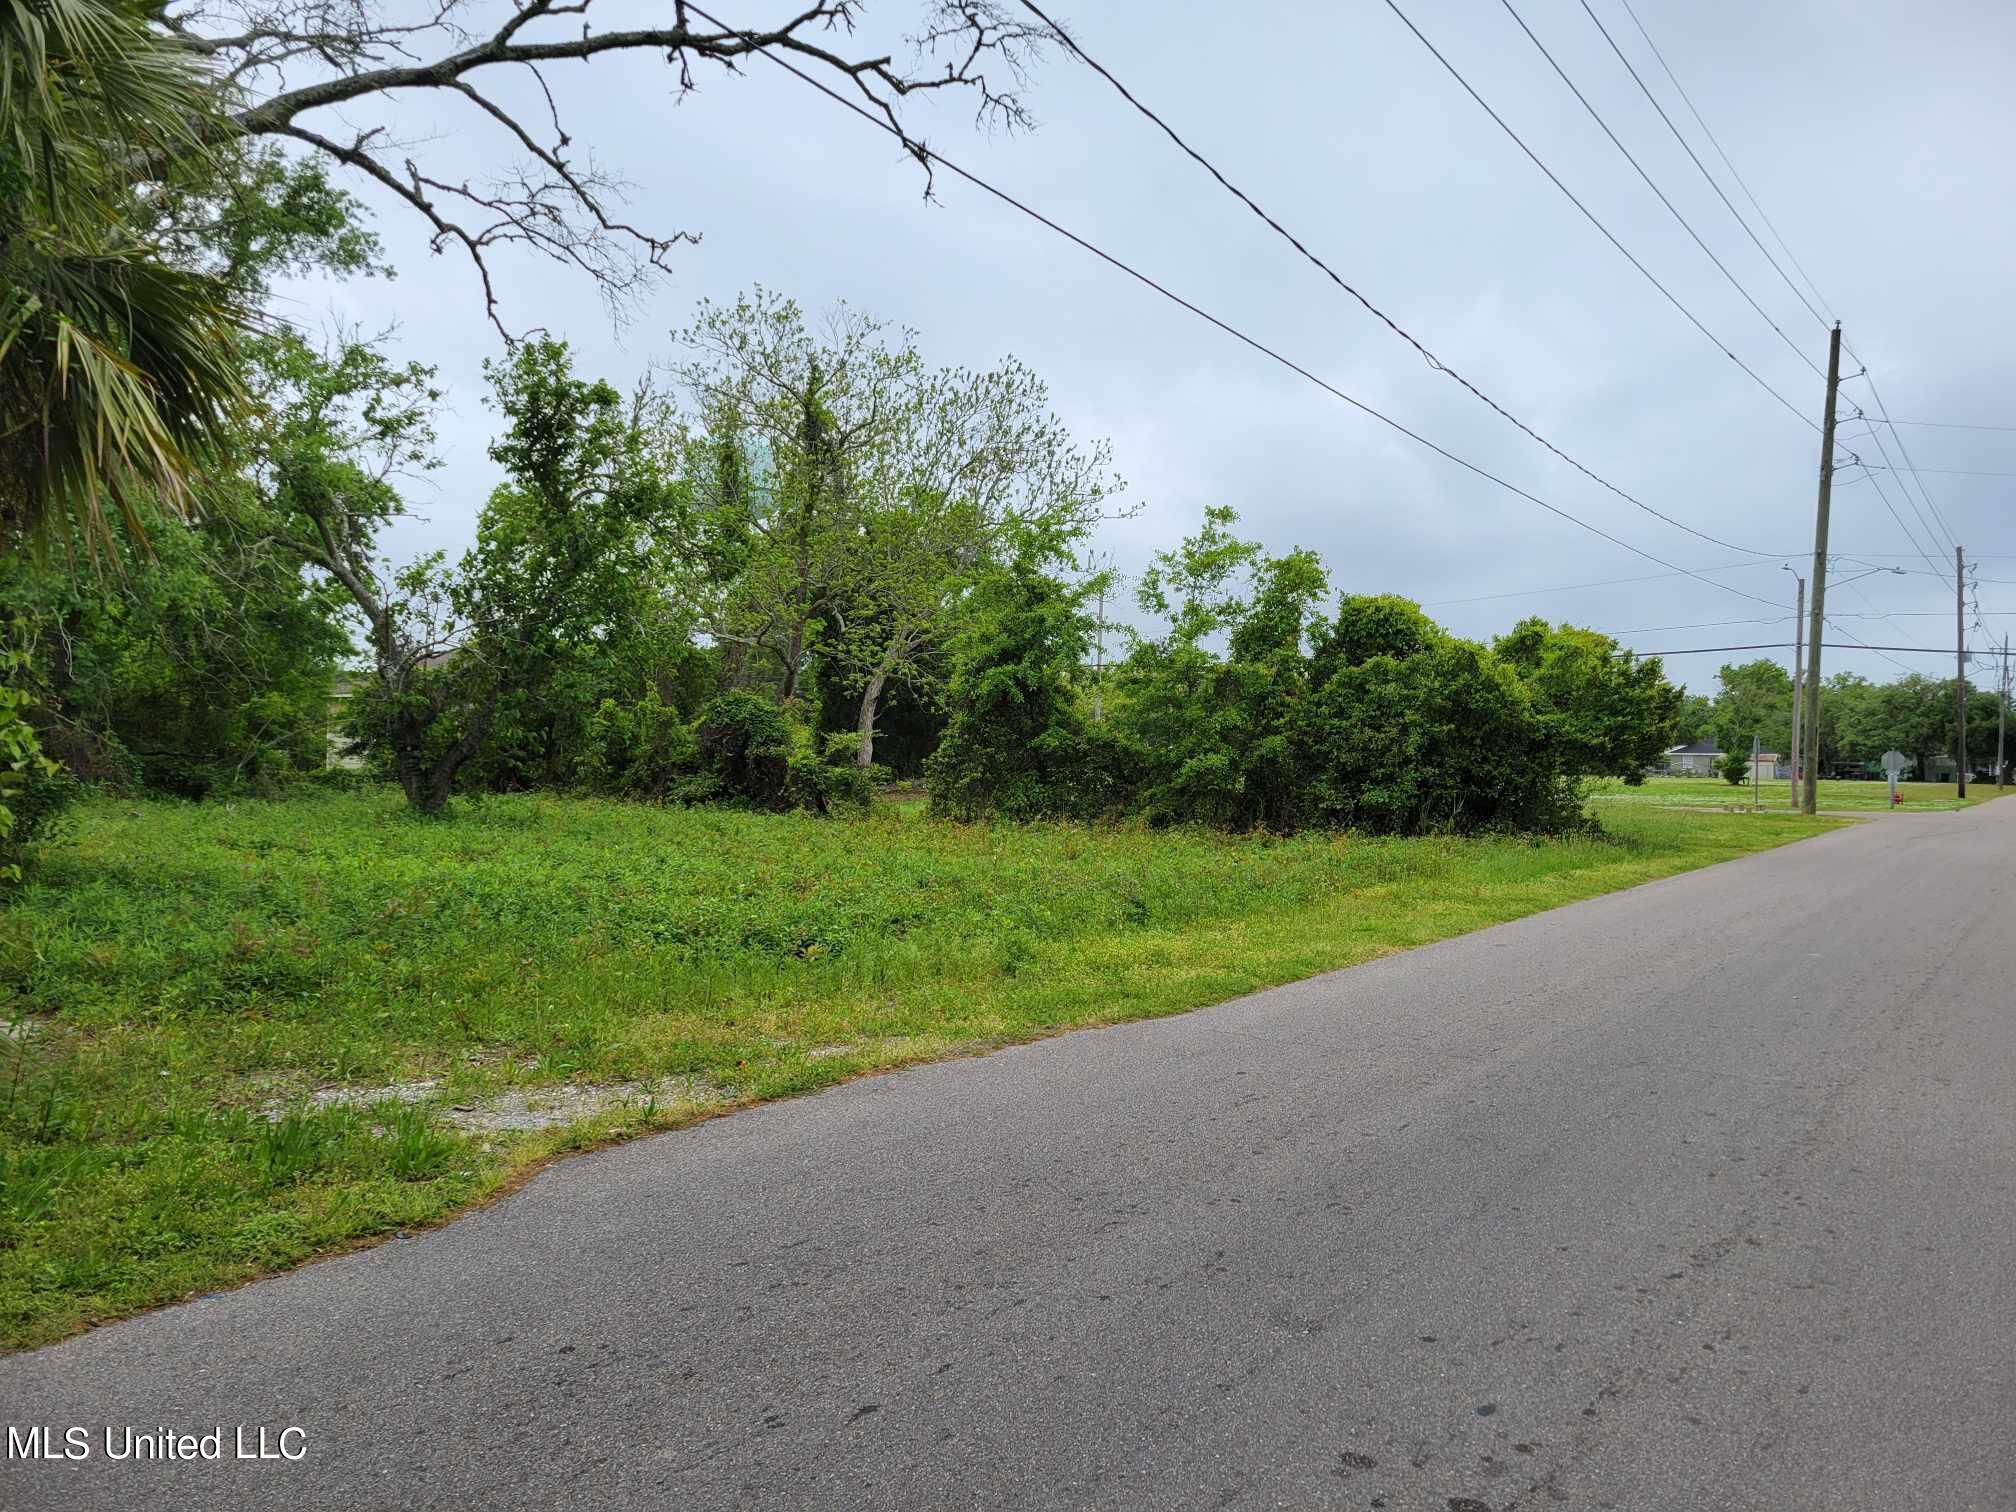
(284, 60)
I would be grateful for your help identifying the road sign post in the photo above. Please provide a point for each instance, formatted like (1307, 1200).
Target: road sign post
(1894, 763)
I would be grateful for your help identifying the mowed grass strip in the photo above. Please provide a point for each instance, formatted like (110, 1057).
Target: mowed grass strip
(184, 979)
(1835, 795)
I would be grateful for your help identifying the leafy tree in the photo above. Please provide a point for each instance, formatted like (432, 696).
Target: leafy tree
(338, 431)
(1442, 738)
(1015, 742)
(118, 368)
(1369, 625)
(203, 660)
(569, 569)
(846, 494)
(1694, 720)
(1214, 732)
(1733, 766)
(1608, 713)
(1754, 698)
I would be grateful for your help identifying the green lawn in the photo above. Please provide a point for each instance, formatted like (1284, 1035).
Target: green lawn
(189, 985)
(1840, 797)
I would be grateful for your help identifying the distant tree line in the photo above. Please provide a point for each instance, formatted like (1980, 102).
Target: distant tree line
(1859, 720)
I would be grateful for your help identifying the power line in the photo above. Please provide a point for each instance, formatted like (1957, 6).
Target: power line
(1595, 116)
(1072, 44)
(1882, 651)
(1948, 425)
(1681, 90)
(1787, 646)
(1875, 393)
(1483, 598)
(1686, 147)
(1957, 472)
(1590, 216)
(1697, 625)
(932, 155)
(1877, 484)
(1883, 409)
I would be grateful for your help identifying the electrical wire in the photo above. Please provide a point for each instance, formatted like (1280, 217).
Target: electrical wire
(1955, 472)
(1875, 393)
(1877, 484)
(1681, 90)
(1883, 409)
(1686, 147)
(1616, 142)
(932, 155)
(1072, 45)
(1788, 646)
(1484, 598)
(1590, 216)
(1882, 651)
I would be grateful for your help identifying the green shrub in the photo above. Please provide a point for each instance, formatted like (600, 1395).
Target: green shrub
(830, 778)
(1441, 740)
(1015, 742)
(636, 750)
(744, 744)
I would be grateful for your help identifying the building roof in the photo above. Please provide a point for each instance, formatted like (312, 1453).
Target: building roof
(1696, 748)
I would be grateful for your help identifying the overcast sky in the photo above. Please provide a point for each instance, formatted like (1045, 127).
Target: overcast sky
(1877, 136)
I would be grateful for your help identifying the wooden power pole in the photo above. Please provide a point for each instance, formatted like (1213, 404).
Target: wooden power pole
(1810, 710)
(1798, 684)
(1960, 670)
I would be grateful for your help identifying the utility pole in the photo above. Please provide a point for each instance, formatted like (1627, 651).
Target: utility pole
(1798, 681)
(1960, 669)
(1810, 755)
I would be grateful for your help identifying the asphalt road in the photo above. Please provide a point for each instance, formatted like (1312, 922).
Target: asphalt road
(1700, 1195)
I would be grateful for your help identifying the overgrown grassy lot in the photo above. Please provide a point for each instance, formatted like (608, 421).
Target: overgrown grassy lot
(189, 986)
(1839, 797)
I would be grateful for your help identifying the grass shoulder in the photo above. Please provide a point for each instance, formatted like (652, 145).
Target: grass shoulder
(241, 1036)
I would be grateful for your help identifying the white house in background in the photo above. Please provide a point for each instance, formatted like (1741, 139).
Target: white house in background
(1698, 758)
(341, 752)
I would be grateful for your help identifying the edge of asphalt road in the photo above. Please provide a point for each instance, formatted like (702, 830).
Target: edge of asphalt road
(519, 1179)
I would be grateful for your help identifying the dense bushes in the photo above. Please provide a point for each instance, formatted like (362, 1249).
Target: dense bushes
(1016, 743)
(1372, 719)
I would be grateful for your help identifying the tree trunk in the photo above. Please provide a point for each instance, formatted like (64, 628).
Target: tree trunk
(793, 658)
(871, 701)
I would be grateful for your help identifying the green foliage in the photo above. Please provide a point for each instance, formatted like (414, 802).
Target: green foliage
(745, 746)
(1016, 744)
(1733, 766)
(1607, 713)
(199, 663)
(1369, 625)
(641, 749)
(1693, 720)
(34, 791)
(1216, 734)
(846, 497)
(1754, 699)
(1444, 739)
(119, 370)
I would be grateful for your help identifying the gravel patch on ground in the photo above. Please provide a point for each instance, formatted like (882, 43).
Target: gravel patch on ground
(519, 1108)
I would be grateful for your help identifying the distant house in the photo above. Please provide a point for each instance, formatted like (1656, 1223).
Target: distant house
(1695, 759)
(1698, 758)
(342, 753)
